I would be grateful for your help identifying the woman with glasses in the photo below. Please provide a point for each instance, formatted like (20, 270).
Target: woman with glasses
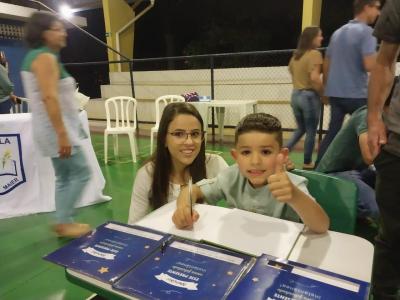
(180, 155)
(57, 129)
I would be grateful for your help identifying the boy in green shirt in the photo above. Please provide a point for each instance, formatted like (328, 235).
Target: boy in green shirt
(258, 181)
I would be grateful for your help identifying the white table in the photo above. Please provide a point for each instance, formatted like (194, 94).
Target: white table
(203, 107)
(255, 234)
(233, 228)
(245, 107)
(341, 253)
(27, 183)
(236, 229)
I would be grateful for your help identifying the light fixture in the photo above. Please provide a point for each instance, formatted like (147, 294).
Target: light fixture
(66, 11)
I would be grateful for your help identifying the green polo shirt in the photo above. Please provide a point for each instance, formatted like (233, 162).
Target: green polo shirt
(344, 152)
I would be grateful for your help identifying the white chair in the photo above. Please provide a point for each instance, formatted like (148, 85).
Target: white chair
(123, 109)
(163, 100)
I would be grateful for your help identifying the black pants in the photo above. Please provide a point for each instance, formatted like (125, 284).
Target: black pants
(386, 271)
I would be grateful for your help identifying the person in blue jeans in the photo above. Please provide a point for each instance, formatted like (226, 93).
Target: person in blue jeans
(305, 68)
(57, 129)
(350, 56)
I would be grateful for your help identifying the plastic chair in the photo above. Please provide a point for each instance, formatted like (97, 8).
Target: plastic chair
(163, 100)
(124, 112)
(337, 196)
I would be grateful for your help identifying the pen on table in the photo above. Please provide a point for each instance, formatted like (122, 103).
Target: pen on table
(190, 196)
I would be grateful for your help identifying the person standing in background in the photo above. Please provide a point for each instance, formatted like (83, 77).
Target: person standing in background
(305, 68)
(57, 129)
(350, 56)
(384, 141)
(7, 97)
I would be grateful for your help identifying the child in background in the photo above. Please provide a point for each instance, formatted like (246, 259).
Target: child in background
(258, 182)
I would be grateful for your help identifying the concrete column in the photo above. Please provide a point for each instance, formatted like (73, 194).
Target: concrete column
(311, 13)
(117, 13)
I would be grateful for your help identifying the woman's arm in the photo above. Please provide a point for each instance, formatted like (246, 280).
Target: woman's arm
(45, 68)
(140, 202)
(316, 80)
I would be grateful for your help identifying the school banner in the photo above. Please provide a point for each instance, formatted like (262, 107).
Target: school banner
(19, 173)
(27, 181)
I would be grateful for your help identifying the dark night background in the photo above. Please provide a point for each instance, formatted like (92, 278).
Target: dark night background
(190, 27)
(182, 27)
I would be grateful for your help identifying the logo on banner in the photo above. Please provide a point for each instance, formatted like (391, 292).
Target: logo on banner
(11, 165)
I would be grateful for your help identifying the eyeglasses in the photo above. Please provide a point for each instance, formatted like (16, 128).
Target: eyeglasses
(58, 29)
(181, 136)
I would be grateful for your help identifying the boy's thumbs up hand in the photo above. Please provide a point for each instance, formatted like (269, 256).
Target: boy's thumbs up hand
(279, 183)
(280, 164)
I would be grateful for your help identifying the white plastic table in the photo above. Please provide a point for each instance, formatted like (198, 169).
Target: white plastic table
(245, 107)
(337, 252)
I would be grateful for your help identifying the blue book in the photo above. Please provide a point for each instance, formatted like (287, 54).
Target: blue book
(185, 270)
(273, 279)
(109, 251)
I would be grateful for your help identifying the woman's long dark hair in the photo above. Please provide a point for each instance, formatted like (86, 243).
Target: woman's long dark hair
(162, 158)
(39, 22)
(306, 41)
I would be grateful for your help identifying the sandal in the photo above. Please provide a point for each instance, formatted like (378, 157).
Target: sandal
(71, 230)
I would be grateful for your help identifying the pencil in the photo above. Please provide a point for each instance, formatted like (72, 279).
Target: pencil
(190, 196)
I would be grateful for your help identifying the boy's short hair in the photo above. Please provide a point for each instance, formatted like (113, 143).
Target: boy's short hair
(260, 122)
(358, 5)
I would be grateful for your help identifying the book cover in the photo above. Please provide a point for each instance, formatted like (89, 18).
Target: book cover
(109, 251)
(185, 270)
(274, 279)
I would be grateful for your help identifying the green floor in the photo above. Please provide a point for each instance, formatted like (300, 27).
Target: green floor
(24, 240)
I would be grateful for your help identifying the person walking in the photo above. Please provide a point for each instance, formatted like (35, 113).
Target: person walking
(350, 56)
(56, 126)
(305, 68)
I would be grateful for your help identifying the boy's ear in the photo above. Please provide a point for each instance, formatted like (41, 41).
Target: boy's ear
(234, 153)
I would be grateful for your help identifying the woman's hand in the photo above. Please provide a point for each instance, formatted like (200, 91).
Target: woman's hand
(64, 145)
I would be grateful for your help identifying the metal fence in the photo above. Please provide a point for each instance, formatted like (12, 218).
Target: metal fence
(260, 76)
